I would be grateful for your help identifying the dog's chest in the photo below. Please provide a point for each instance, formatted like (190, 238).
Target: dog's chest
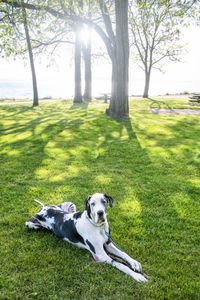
(91, 232)
(102, 235)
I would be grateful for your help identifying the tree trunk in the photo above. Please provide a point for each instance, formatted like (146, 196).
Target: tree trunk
(34, 81)
(88, 68)
(120, 62)
(147, 82)
(77, 62)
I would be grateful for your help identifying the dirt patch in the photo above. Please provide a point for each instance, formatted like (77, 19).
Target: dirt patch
(170, 111)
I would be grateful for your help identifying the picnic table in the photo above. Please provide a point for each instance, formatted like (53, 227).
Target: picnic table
(105, 97)
(195, 98)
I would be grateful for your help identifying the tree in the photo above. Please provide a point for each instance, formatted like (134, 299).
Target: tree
(30, 52)
(86, 12)
(84, 47)
(68, 32)
(11, 27)
(155, 28)
(117, 44)
(119, 102)
(87, 56)
(77, 61)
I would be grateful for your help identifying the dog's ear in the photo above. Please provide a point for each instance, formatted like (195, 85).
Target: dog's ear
(109, 199)
(87, 206)
(86, 202)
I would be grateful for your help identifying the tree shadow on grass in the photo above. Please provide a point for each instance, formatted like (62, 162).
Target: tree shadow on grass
(66, 160)
(83, 105)
(16, 109)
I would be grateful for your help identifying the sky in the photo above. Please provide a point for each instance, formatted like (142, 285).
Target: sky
(57, 80)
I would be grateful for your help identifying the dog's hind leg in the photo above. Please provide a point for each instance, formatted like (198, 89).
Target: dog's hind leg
(67, 207)
(33, 223)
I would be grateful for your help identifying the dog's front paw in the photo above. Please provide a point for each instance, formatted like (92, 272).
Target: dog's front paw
(140, 278)
(136, 266)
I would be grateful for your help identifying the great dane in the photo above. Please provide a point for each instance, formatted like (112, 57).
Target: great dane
(87, 229)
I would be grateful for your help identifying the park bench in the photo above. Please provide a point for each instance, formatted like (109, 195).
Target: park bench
(195, 98)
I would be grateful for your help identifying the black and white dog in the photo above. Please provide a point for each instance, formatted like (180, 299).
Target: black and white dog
(87, 229)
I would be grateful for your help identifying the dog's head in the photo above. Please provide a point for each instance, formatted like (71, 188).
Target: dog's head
(96, 206)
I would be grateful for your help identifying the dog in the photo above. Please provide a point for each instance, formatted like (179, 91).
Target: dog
(87, 229)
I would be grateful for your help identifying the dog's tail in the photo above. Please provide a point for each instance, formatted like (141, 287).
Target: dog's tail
(39, 203)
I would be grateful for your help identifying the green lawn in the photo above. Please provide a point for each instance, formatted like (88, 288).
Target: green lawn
(150, 165)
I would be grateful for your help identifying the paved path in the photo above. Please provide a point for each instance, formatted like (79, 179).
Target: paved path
(169, 111)
(25, 102)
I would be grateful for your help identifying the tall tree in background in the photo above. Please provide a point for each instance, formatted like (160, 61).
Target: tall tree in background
(77, 65)
(119, 106)
(155, 33)
(83, 8)
(30, 52)
(117, 44)
(12, 31)
(88, 11)
(87, 57)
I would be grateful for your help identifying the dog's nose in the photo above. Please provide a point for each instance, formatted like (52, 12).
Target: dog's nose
(100, 213)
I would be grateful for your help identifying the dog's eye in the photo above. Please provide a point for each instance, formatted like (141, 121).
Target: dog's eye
(103, 202)
(92, 204)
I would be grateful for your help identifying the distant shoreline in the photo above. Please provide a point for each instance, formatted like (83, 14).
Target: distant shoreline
(21, 89)
(50, 99)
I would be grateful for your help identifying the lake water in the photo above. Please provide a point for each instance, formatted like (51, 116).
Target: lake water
(22, 88)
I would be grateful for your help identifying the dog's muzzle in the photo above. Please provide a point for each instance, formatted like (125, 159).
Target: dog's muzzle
(101, 217)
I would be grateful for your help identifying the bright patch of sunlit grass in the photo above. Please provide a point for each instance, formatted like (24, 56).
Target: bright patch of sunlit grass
(148, 163)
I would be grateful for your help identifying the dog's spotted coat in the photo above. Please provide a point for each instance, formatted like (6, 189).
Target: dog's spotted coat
(87, 229)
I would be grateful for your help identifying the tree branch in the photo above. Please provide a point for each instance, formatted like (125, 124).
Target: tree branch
(107, 21)
(137, 46)
(50, 43)
(64, 16)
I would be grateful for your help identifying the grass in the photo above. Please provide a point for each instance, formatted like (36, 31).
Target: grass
(150, 165)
